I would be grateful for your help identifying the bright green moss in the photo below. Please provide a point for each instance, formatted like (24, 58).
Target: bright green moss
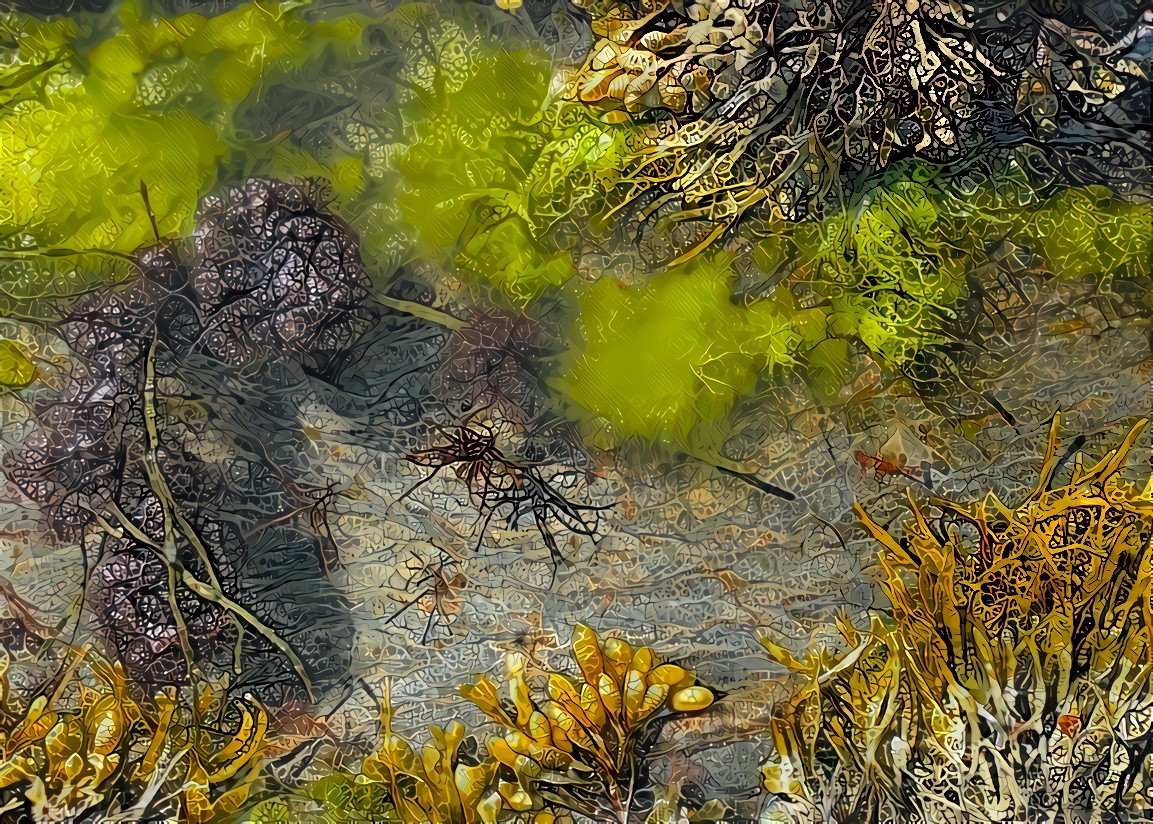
(342, 798)
(76, 146)
(888, 271)
(70, 172)
(658, 359)
(507, 255)
(474, 147)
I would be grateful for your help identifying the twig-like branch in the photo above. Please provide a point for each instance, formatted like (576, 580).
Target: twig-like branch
(179, 573)
(156, 480)
(423, 312)
(495, 480)
(173, 520)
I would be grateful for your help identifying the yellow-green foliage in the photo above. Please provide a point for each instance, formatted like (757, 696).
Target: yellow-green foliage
(659, 358)
(83, 127)
(1008, 625)
(16, 369)
(492, 165)
(888, 269)
(877, 279)
(90, 747)
(1090, 232)
(887, 272)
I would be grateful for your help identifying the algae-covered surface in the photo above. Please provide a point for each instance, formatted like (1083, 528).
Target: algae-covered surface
(454, 412)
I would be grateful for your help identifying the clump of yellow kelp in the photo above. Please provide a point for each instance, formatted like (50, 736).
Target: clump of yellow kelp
(86, 746)
(1010, 675)
(578, 748)
(582, 748)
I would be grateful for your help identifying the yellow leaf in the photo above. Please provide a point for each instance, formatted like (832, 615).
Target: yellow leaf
(609, 692)
(587, 652)
(527, 767)
(568, 724)
(244, 746)
(484, 695)
(538, 727)
(518, 689)
(848, 631)
(780, 778)
(499, 749)
(785, 658)
(643, 660)
(107, 729)
(73, 767)
(562, 690)
(489, 809)
(518, 741)
(591, 704)
(104, 766)
(15, 770)
(634, 693)
(16, 369)
(62, 742)
(692, 699)
(618, 653)
(667, 674)
(653, 699)
(560, 740)
(515, 796)
(37, 707)
(471, 781)
(147, 764)
(33, 729)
